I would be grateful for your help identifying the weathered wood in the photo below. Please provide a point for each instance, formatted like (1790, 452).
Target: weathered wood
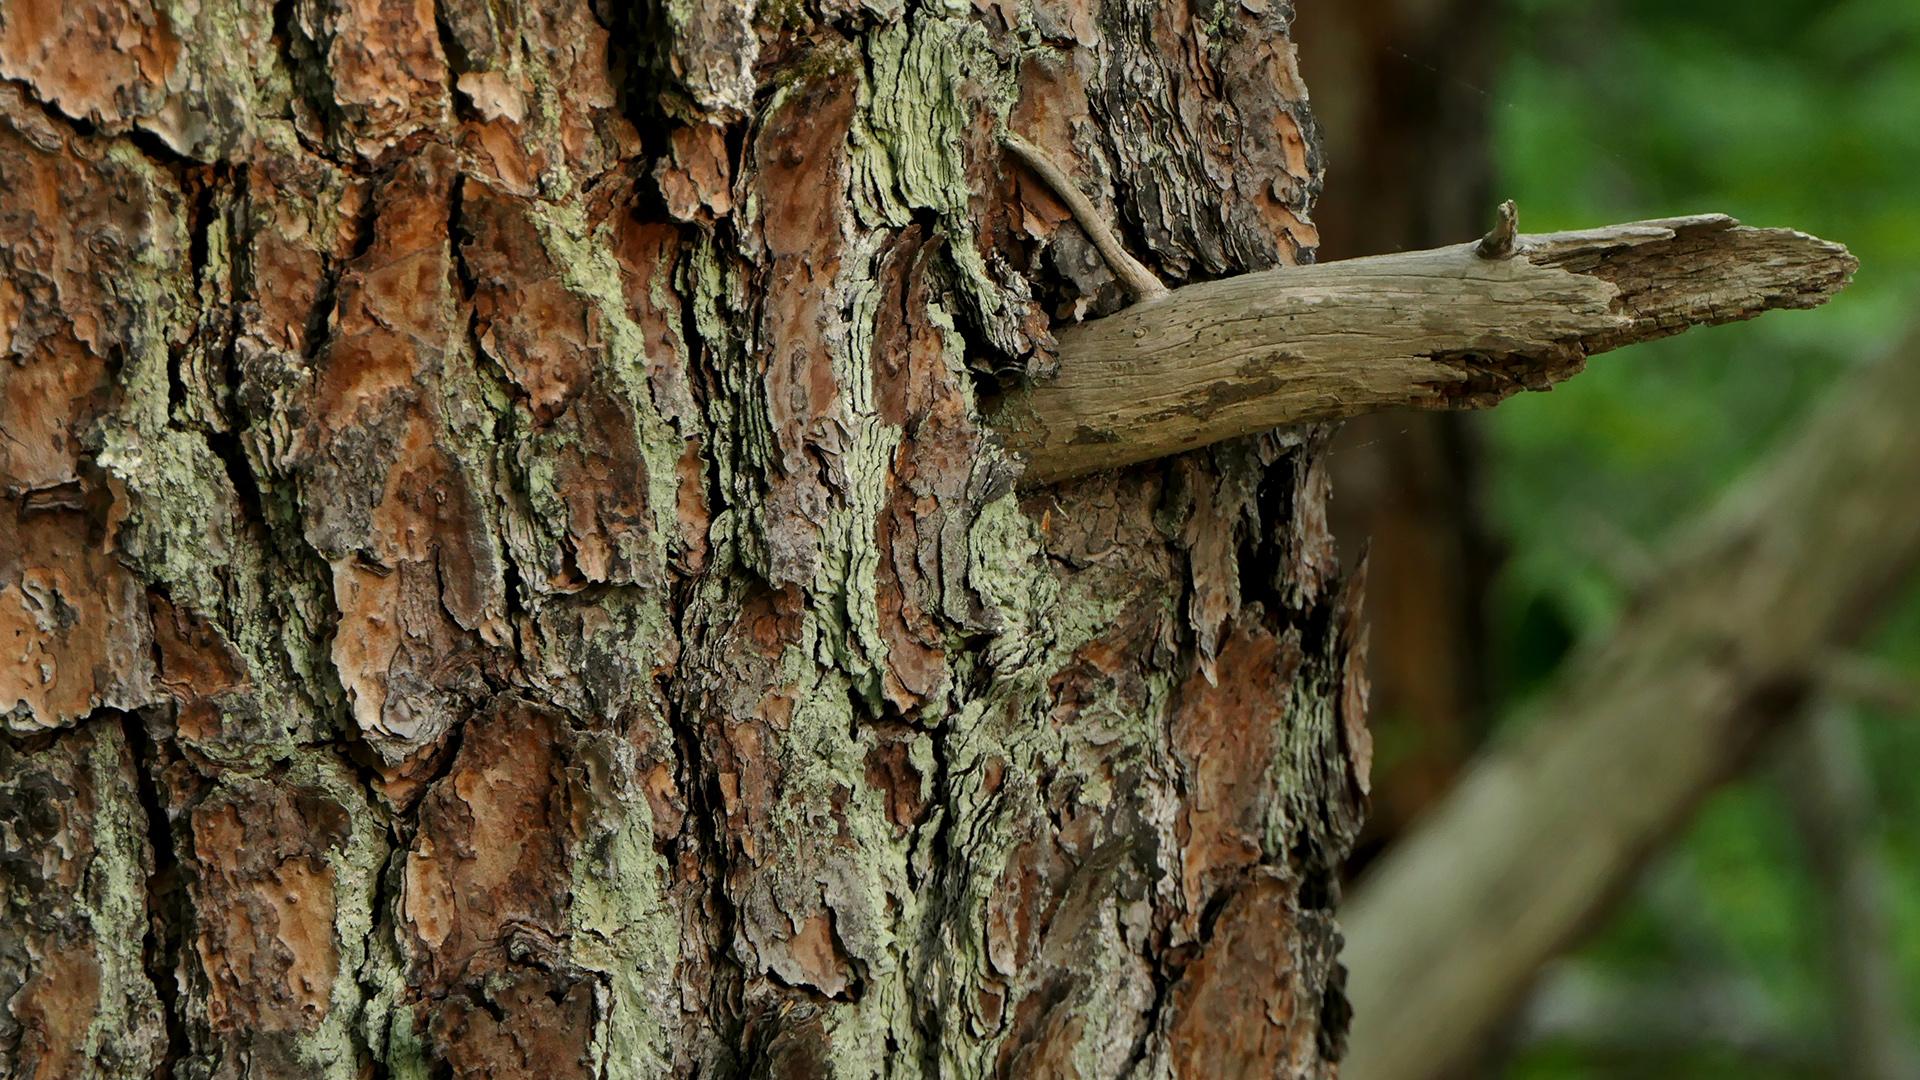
(1454, 923)
(1500, 240)
(1437, 329)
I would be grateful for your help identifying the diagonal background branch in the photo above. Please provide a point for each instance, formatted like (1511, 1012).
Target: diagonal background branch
(1529, 849)
(1442, 328)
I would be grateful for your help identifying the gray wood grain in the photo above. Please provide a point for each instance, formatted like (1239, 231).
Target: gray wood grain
(1438, 329)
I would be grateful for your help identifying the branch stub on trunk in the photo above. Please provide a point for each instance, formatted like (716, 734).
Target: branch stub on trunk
(1445, 328)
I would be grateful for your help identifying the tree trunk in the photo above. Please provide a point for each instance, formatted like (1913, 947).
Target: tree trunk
(1401, 93)
(503, 571)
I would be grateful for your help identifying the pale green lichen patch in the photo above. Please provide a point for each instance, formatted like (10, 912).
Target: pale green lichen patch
(847, 580)
(924, 78)
(622, 926)
(184, 529)
(587, 266)
(358, 863)
(74, 986)
(929, 82)
(115, 902)
(231, 90)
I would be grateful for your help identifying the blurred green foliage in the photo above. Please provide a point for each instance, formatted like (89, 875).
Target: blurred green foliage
(1780, 112)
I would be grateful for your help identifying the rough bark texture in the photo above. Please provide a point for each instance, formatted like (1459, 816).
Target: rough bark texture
(503, 571)
(1456, 920)
(1457, 327)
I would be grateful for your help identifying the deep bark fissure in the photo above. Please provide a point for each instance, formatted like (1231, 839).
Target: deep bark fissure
(227, 440)
(602, 608)
(166, 897)
(709, 846)
(302, 57)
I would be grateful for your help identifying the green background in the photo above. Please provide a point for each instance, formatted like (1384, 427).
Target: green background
(1779, 113)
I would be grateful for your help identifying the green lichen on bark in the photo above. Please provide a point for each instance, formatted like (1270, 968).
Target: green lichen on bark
(929, 81)
(588, 268)
(114, 906)
(358, 860)
(574, 560)
(72, 963)
(622, 927)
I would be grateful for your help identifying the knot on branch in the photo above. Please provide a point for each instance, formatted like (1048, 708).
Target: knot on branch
(1499, 241)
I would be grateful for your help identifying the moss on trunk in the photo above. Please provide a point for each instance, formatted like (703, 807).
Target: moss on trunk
(503, 572)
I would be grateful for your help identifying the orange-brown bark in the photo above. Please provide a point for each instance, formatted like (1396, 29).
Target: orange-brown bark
(503, 571)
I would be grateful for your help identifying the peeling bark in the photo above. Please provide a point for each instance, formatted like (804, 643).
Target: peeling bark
(503, 570)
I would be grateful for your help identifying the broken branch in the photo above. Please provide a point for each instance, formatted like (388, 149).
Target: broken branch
(1447, 328)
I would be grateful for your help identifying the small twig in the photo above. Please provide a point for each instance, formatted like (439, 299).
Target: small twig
(1498, 243)
(1134, 276)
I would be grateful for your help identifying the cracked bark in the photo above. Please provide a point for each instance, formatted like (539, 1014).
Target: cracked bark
(503, 570)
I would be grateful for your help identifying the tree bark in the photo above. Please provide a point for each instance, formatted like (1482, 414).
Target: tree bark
(503, 571)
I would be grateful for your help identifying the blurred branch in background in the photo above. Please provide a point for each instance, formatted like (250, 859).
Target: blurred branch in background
(1865, 681)
(1708, 1005)
(1408, 145)
(1650, 1020)
(1825, 773)
(1527, 851)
